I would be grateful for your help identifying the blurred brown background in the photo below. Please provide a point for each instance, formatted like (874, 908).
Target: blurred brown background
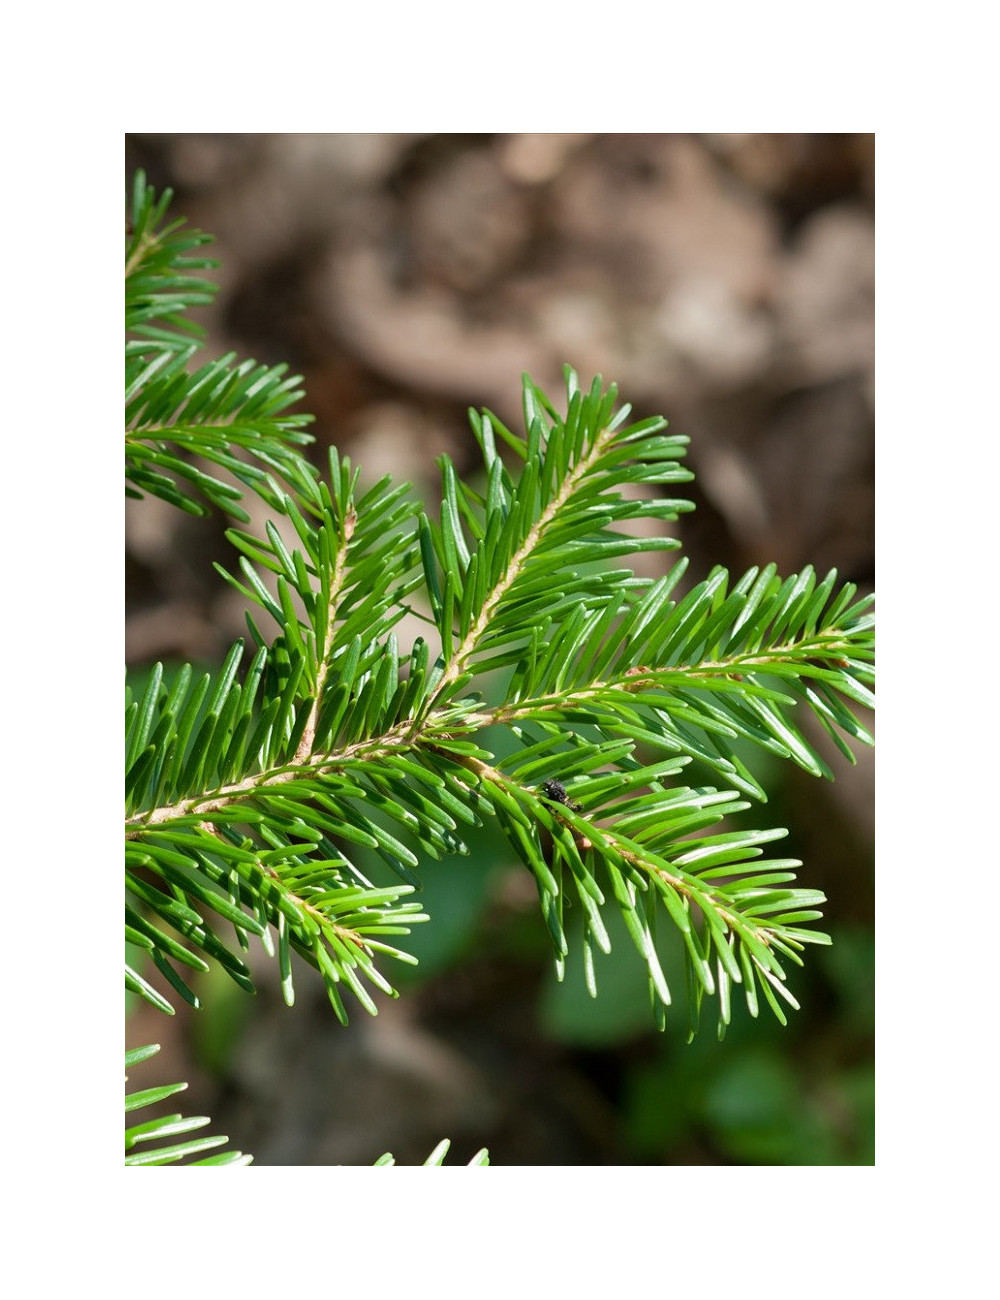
(725, 281)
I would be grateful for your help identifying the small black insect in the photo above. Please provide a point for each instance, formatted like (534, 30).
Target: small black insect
(557, 792)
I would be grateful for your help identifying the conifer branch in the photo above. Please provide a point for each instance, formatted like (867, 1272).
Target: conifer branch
(343, 730)
(459, 661)
(253, 793)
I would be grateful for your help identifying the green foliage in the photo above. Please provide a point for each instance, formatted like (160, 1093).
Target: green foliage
(554, 693)
(229, 415)
(144, 1143)
(437, 1156)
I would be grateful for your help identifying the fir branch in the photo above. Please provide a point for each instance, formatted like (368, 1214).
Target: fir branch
(234, 416)
(250, 790)
(559, 513)
(243, 795)
(152, 1142)
(159, 286)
